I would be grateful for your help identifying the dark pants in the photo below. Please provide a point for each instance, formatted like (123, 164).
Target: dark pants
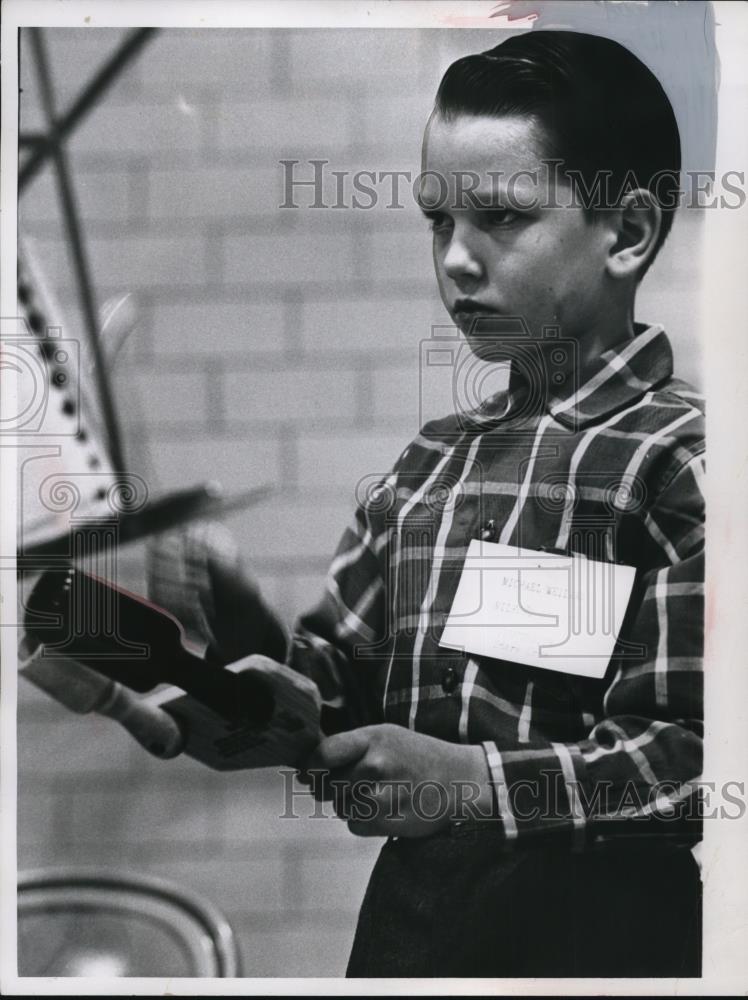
(458, 905)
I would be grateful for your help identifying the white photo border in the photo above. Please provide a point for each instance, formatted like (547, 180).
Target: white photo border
(725, 307)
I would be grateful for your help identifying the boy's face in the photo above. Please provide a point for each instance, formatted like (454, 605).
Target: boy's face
(494, 258)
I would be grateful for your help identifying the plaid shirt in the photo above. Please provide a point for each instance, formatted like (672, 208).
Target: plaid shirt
(613, 470)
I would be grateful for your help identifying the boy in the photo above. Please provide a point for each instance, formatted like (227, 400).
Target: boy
(571, 153)
(550, 178)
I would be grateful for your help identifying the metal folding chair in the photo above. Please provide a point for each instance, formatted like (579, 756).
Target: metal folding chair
(98, 923)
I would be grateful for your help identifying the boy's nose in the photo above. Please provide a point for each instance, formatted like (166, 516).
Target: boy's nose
(462, 264)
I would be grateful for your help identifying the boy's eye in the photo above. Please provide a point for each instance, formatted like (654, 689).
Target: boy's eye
(498, 216)
(490, 218)
(438, 221)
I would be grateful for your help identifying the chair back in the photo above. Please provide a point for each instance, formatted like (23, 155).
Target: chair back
(90, 922)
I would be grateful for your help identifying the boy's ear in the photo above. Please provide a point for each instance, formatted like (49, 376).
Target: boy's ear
(637, 221)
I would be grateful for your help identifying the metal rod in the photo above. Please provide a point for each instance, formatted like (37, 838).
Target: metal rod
(32, 139)
(85, 288)
(85, 101)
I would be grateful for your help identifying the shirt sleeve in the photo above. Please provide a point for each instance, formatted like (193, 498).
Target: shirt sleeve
(634, 770)
(328, 641)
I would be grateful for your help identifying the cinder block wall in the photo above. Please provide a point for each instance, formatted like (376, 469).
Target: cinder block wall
(275, 346)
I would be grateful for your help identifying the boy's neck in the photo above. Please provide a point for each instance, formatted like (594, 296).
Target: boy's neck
(596, 341)
(591, 345)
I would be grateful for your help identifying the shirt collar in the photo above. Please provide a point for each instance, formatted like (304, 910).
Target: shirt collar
(620, 378)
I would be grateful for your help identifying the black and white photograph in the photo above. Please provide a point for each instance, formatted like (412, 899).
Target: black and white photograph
(373, 621)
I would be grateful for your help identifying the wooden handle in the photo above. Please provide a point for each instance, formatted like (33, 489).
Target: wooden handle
(151, 726)
(83, 690)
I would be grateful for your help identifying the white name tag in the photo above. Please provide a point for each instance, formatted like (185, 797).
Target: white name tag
(559, 612)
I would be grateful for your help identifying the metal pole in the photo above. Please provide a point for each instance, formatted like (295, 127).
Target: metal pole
(88, 97)
(85, 288)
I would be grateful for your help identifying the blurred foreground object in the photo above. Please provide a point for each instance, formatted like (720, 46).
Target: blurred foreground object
(198, 575)
(73, 498)
(92, 923)
(250, 712)
(82, 690)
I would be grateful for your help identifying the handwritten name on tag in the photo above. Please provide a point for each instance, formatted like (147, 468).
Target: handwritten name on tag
(558, 612)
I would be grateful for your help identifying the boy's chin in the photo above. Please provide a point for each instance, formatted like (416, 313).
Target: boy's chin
(497, 348)
(491, 332)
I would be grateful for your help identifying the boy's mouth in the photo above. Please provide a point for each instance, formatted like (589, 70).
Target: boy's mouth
(468, 312)
(471, 307)
(477, 318)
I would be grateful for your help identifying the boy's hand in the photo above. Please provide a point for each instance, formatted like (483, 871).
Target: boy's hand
(387, 780)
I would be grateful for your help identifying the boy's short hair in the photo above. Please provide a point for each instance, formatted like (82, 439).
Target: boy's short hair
(601, 108)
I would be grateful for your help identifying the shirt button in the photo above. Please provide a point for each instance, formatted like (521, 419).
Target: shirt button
(449, 680)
